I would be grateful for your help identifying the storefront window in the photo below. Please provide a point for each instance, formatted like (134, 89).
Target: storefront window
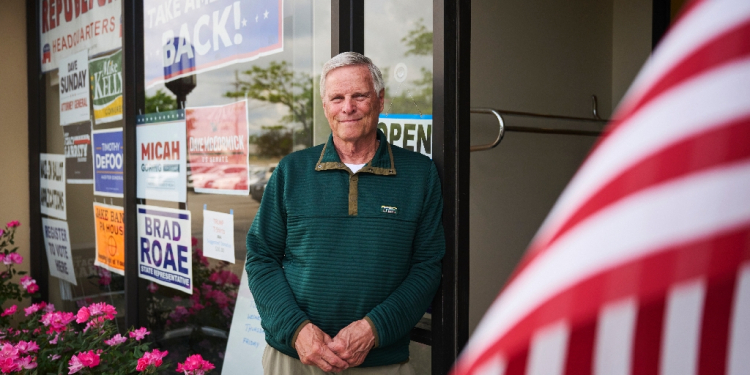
(82, 166)
(237, 83)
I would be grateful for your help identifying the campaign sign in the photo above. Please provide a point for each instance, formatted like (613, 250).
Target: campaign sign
(106, 87)
(71, 26)
(218, 148)
(57, 243)
(412, 132)
(162, 156)
(218, 235)
(74, 88)
(183, 37)
(110, 237)
(247, 339)
(79, 166)
(108, 162)
(164, 241)
(52, 185)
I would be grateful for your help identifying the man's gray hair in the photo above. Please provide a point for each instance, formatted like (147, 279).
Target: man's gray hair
(349, 59)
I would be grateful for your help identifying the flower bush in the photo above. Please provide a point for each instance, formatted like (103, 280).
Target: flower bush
(209, 308)
(46, 341)
(9, 257)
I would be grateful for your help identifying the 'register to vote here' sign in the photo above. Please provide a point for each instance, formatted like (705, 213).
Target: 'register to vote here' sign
(57, 244)
(164, 240)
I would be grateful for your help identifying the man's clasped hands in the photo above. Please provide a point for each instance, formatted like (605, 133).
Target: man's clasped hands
(348, 349)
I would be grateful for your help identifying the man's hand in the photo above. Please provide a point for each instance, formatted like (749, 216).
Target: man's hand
(312, 348)
(353, 342)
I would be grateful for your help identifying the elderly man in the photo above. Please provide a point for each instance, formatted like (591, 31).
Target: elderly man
(344, 254)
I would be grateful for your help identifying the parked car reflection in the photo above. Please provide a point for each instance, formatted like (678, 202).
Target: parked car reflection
(226, 176)
(257, 188)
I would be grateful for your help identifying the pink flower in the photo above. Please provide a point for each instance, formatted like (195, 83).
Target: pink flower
(102, 308)
(139, 333)
(13, 224)
(89, 359)
(33, 288)
(8, 357)
(57, 321)
(151, 358)
(49, 307)
(179, 313)
(96, 322)
(25, 347)
(15, 258)
(195, 364)
(194, 241)
(2, 232)
(6, 260)
(54, 357)
(115, 340)
(27, 362)
(224, 276)
(26, 280)
(74, 365)
(152, 287)
(9, 311)
(105, 277)
(83, 315)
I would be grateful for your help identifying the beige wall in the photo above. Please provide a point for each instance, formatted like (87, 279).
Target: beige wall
(14, 167)
(543, 56)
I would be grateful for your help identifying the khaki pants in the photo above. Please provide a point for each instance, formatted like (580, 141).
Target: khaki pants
(278, 363)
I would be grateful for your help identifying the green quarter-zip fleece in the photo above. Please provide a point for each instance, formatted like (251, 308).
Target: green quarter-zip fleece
(332, 247)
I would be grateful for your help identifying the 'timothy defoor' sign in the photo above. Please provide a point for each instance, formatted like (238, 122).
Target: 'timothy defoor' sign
(164, 240)
(108, 162)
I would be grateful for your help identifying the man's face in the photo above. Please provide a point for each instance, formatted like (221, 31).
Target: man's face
(351, 104)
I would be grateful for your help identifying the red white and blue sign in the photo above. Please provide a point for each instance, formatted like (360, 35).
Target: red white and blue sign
(199, 36)
(46, 57)
(108, 162)
(164, 241)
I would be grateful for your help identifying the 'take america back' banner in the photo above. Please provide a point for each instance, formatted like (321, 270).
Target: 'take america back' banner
(184, 37)
(70, 26)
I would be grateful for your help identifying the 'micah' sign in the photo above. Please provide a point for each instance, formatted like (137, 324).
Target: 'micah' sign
(164, 240)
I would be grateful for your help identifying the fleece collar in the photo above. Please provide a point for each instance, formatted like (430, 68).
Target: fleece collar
(381, 164)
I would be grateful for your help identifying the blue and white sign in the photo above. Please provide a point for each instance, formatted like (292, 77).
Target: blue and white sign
(164, 240)
(409, 131)
(108, 162)
(185, 37)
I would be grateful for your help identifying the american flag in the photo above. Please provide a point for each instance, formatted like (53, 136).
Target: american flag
(643, 265)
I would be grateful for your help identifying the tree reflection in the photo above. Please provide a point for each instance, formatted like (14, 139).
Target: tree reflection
(279, 84)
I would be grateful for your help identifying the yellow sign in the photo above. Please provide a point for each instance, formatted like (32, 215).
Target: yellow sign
(110, 237)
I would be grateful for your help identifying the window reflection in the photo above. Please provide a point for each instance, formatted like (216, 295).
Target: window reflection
(279, 89)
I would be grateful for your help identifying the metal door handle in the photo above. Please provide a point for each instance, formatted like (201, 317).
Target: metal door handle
(500, 133)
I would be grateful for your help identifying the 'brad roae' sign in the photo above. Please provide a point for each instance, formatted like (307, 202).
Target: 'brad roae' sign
(164, 240)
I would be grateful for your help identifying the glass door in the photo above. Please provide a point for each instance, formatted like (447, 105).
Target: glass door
(398, 38)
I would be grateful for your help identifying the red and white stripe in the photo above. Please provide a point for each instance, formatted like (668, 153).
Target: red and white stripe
(643, 265)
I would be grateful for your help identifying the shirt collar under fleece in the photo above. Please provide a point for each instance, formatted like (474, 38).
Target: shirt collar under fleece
(381, 164)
